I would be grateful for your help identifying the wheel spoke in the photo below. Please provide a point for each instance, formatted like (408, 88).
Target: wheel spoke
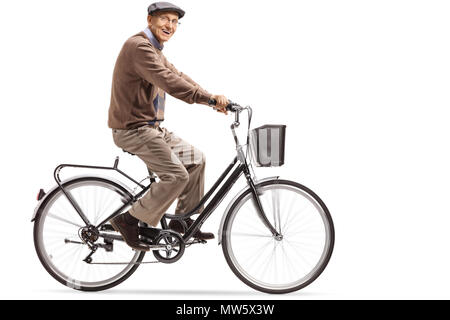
(243, 234)
(64, 220)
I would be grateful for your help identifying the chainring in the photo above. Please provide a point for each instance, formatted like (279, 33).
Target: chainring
(174, 246)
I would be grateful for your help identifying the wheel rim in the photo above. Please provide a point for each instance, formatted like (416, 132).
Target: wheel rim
(60, 224)
(290, 261)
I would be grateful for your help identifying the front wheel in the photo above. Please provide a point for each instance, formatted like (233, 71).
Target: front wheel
(284, 263)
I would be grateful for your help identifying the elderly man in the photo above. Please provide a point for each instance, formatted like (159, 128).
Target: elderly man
(142, 77)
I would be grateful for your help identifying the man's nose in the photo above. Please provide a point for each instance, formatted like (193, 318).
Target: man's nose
(168, 26)
(171, 23)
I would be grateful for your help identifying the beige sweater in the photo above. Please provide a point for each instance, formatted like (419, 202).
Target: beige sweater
(142, 76)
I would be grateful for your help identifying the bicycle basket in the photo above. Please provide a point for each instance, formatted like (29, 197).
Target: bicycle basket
(267, 145)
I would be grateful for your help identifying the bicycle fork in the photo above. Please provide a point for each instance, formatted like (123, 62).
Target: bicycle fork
(259, 208)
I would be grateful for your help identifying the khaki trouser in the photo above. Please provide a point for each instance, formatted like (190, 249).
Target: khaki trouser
(179, 166)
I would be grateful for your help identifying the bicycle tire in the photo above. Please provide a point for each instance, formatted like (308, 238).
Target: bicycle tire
(46, 261)
(250, 279)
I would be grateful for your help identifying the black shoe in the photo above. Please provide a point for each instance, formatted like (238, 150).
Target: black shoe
(179, 227)
(149, 233)
(127, 225)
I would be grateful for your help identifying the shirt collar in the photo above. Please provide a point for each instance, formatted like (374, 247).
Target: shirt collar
(153, 39)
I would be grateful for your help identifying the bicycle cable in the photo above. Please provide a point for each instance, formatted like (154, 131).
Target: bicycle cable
(249, 162)
(137, 186)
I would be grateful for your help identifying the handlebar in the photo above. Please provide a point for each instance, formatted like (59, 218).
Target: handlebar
(232, 106)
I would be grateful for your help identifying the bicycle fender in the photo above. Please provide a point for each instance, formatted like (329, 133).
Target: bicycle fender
(39, 205)
(225, 214)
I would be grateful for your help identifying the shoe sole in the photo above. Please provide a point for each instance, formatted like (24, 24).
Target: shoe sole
(181, 230)
(199, 238)
(204, 238)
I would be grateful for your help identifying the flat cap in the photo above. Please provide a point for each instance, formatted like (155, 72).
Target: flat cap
(165, 6)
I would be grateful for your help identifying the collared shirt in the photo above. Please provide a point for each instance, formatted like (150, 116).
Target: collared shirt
(160, 100)
(153, 39)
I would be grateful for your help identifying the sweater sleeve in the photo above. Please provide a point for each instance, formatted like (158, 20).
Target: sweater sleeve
(150, 66)
(181, 74)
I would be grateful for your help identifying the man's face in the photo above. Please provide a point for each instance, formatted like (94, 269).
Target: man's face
(163, 25)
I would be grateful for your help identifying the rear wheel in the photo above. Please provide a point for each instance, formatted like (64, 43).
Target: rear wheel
(278, 264)
(58, 233)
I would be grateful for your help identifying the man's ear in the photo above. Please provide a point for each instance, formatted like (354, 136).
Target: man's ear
(149, 19)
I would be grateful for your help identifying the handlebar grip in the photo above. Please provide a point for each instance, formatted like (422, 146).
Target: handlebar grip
(230, 106)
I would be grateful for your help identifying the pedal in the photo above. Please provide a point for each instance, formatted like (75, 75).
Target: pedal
(108, 245)
(196, 240)
(201, 240)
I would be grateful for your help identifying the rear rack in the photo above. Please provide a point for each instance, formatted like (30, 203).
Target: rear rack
(113, 168)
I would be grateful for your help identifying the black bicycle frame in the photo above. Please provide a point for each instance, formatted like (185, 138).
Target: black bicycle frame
(210, 207)
(220, 195)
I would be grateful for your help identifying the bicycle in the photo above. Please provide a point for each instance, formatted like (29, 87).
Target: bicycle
(277, 235)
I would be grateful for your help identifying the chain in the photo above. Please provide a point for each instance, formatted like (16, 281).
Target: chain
(148, 262)
(123, 263)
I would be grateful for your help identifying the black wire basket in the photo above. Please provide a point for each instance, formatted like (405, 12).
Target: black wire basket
(267, 145)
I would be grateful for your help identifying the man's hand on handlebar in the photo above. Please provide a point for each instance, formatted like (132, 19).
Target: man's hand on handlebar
(221, 103)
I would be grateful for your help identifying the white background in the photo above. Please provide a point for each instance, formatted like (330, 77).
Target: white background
(363, 87)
